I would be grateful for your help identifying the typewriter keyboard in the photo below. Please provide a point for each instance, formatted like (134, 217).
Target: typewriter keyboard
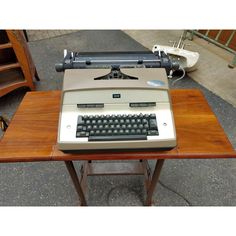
(117, 127)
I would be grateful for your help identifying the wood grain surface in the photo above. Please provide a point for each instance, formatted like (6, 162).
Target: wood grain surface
(32, 133)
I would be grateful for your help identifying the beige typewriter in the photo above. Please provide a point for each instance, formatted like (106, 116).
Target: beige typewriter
(115, 108)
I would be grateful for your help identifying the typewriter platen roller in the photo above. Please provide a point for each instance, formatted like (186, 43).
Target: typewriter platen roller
(93, 60)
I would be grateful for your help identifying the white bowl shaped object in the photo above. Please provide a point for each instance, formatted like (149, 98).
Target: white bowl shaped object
(187, 59)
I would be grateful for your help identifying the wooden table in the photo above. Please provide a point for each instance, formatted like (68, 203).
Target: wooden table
(32, 136)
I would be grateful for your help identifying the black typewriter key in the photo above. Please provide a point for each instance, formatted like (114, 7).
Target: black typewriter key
(95, 127)
(82, 134)
(109, 131)
(116, 121)
(106, 126)
(135, 126)
(99, 122)
(100, 127)
(112, 126)
(138, 120)
(129, 126)
(103, 132)
(123, 126)
(140, 126)
(122, 121)
(153, 132)
(105, 121)
(146, 126)
(84, 128)
(127, 121)
(153, 115)
(93, 122)
(96, 117)
(144, 131)
(132, 131)
(138, 131)
(110, 121)
(97, 132)
(115, 131)
(121, 131)
(87, 122)
(92, 132)
(80, 120)
(126, 131)
(89, 127)
(133, 121)
(117, 137)
(144, 121)
(153, 124)
(79, 127)
(118, 126)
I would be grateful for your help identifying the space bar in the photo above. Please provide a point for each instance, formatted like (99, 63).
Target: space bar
(117, 138)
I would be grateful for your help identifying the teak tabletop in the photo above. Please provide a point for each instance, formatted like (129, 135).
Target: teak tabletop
(32, 134)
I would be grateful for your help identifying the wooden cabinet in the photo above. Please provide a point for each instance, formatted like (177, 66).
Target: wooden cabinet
(16, 66)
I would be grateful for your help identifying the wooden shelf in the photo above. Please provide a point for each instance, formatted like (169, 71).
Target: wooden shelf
(9, 66)
(16, 66)
(11, 79)
(5, 45)
(7, 56)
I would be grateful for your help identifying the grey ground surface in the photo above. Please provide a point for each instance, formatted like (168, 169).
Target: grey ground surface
(201, 182)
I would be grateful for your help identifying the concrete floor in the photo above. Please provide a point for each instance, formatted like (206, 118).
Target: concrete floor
(201, 182)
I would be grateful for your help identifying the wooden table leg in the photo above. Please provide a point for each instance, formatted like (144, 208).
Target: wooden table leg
(154, 181)
(76, 182)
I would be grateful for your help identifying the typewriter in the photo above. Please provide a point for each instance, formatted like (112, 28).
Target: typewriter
(117, 100)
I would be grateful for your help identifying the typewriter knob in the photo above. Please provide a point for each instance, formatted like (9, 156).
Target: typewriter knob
(59, 67)
(175, 65)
